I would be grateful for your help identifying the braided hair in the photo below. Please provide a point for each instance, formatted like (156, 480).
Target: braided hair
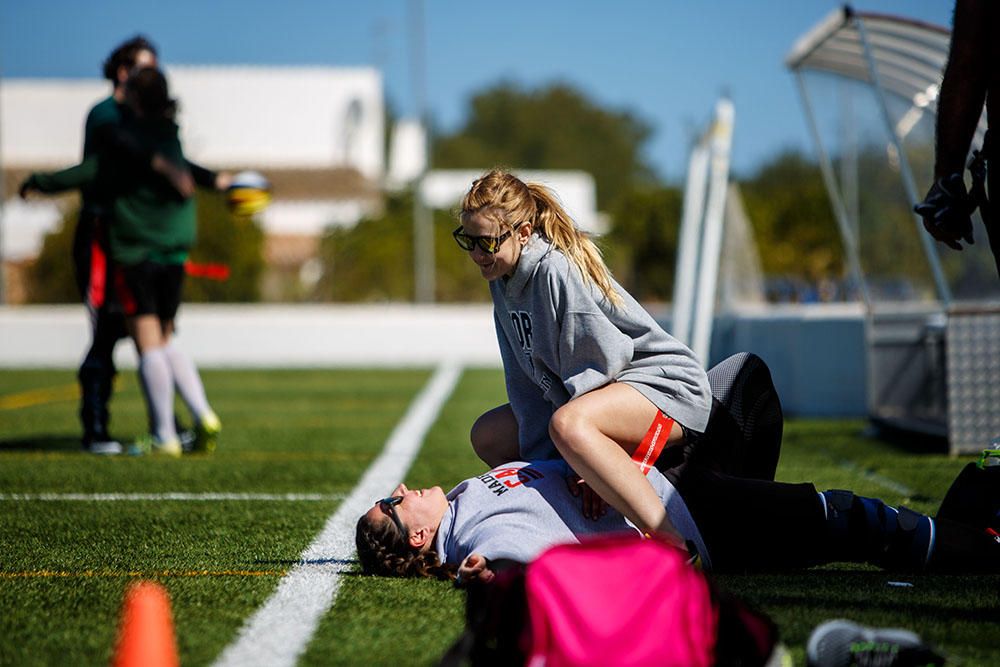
(382, 550)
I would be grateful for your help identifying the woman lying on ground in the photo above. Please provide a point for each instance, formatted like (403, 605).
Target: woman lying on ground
(517, 510)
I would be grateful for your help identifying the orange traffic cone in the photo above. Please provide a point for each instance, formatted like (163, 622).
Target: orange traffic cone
(146, 635)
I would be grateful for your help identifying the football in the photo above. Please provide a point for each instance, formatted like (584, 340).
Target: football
(249, 193)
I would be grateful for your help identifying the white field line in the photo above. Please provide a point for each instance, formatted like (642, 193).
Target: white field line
(278, 633)
(169, 495)
(872, 476)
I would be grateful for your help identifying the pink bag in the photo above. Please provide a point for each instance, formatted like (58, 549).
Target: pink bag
(619, 601)
(611, 600)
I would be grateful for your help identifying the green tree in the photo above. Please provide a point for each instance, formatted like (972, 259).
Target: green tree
(222, 239)
(792, 219)
(642, 243)
(373, 261)
(554, 127)
(51, 278)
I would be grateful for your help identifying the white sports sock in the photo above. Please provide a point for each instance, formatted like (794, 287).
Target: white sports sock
(158, 387)
(187, 381)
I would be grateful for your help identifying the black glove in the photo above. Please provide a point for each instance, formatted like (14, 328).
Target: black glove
(947, 211)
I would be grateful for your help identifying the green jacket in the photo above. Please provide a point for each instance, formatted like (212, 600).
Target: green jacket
(150, 221)
(107, 112)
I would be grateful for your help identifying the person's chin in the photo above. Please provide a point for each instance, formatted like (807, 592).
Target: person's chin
(489, 272)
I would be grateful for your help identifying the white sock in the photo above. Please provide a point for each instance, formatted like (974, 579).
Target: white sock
(158, 387)
(187, 381)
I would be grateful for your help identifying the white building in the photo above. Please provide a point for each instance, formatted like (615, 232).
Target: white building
(316, 132)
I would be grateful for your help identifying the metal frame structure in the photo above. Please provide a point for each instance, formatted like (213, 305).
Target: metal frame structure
(700, 244)
(897, 59)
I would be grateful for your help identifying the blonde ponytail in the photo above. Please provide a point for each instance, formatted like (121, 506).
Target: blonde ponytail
(552, 220)
(507, 200)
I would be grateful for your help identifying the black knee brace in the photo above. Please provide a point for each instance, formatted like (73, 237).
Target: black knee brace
(867, 530)
(747, 414)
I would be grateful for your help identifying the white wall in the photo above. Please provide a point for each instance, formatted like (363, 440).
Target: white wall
(288, 117)
(816, 353)
(444, 189)
(270, 336)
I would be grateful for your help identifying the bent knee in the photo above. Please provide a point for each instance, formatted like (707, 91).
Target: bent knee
(568, 426)
(491, 443)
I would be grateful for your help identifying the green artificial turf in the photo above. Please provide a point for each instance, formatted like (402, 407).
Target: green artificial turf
(65, 564)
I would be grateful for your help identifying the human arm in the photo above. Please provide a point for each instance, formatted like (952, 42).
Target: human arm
(60, 181)
(122, 144)
(588, 349)
(209, 179)
(964, 86)
(527, 402)
(947, 208)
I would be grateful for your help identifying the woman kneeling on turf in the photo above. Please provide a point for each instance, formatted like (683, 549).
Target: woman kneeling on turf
(518, 509)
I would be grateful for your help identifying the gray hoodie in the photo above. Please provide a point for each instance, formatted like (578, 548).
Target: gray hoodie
(519, 509)
(560, 337)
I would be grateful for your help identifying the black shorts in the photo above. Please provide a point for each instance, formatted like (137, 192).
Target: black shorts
(150, 288)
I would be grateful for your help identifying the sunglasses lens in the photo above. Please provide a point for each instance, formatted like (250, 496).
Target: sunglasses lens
(464, 242)
(489, 244)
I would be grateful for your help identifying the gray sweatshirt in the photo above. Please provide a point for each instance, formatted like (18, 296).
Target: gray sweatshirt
(519, 509)
(560, 337)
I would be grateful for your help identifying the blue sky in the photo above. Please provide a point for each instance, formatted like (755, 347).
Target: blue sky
(666, 61)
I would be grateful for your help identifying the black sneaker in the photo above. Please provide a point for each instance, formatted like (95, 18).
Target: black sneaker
(841, 643)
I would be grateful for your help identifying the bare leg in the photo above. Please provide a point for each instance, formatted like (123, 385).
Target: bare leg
(147, 331)
(596, 434)
(494, 436)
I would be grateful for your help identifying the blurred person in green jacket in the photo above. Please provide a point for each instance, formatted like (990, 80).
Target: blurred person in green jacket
(152, 228)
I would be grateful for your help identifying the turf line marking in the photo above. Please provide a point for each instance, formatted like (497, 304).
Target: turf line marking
(27, 399)
(65, 574)
(874, 477)
(131, 497)
(278, 633)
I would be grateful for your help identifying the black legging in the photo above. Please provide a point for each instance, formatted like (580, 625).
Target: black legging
(750, 524)
(743, 436)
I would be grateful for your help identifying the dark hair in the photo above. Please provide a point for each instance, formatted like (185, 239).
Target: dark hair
(382, 550)
(147, 88)
(124, 56)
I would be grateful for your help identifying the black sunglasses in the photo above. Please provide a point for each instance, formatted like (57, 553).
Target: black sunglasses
(488, 244)
(389, 505)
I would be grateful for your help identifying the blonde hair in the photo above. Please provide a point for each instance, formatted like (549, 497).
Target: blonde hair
(382, 550)
(506, 200)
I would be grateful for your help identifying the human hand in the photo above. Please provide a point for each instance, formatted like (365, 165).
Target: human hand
(594, 506)
(947, 211)
(25, 189)
(475, 567)
(223, 180)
